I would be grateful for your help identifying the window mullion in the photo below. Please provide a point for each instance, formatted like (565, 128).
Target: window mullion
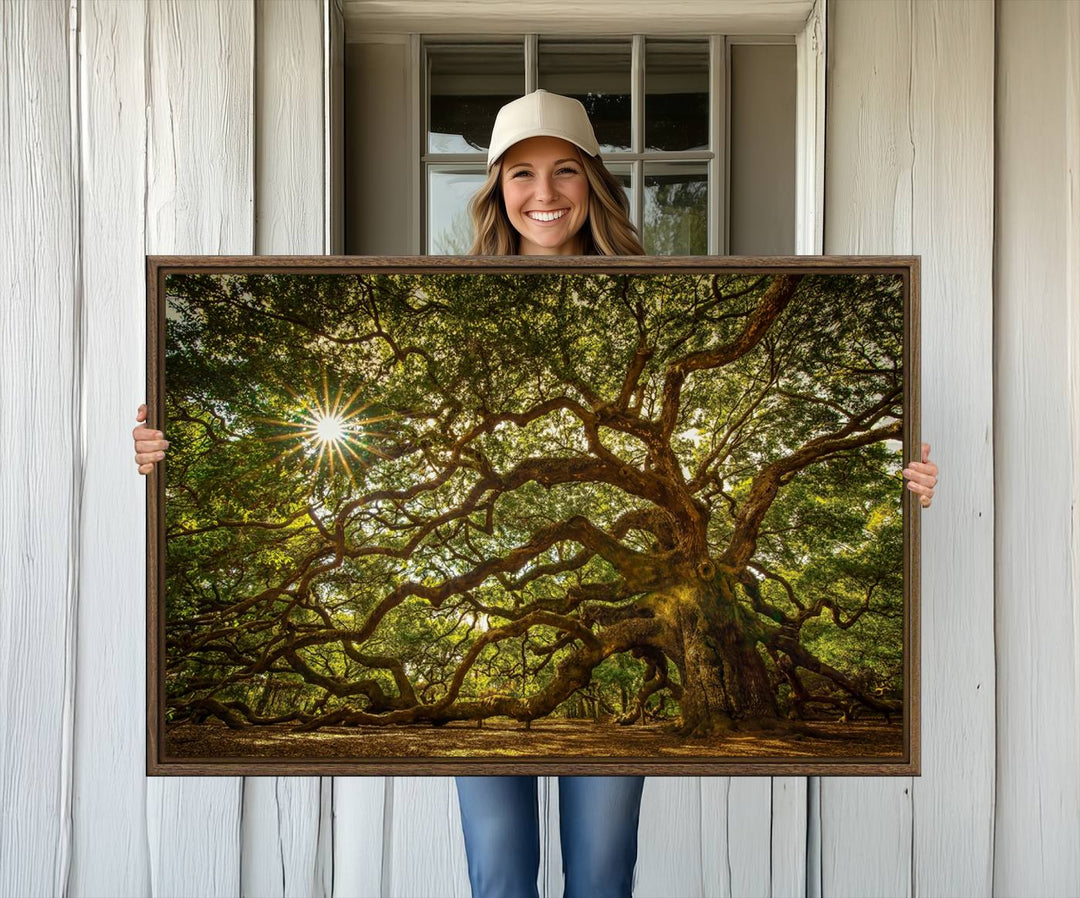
(637, 129)
(421, 95)
(532, 62)
(718, 142)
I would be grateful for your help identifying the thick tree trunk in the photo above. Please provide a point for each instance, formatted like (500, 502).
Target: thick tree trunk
(725, 681)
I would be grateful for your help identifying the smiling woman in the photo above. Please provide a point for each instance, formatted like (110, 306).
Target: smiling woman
(546, 195)
(548, 192)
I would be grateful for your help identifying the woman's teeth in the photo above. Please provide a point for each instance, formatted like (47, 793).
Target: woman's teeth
(546, 216)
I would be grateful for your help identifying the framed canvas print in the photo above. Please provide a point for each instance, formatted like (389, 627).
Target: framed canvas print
(565, 515)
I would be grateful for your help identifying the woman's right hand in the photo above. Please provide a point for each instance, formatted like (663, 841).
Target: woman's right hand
(150, 445)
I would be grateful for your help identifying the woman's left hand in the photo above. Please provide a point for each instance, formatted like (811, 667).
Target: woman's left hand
(921, 477)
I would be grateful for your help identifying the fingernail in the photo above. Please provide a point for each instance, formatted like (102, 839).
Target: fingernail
(161, 455)
(167, 444)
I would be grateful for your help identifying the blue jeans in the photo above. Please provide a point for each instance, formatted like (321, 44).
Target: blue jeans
(598, 828)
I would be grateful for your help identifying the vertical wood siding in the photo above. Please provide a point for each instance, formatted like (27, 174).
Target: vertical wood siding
(360, 809)
(952, 225)
(1037, 304)
(866, 823)
(178, 127)
(200, 197)
(109, 815)
(425, 850)
(40, 451)
(285, 850)
(909, 154)
(671, 833)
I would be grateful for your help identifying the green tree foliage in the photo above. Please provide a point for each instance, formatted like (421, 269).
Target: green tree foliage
(549, 492)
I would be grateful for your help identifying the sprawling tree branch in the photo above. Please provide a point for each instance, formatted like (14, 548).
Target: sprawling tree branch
(548, 486)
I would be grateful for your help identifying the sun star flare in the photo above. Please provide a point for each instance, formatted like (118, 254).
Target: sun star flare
(330, 428)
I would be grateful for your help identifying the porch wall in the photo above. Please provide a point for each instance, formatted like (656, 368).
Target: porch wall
(133, 128)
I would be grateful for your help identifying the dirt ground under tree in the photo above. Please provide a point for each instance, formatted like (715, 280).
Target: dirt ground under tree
(554, 738)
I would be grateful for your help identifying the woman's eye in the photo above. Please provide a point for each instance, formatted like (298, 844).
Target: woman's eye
(571, 171)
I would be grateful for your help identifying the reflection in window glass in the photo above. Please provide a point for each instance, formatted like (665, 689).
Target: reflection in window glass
(467, 84)
(676, 209)
(676, 95)
(623, 176)
(450, 231)
(597, 74)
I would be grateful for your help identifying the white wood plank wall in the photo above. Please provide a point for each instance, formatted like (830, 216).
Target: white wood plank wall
(108, 820)
(168, 126)
(1037, 414)
(40, 446)
(199, 199)
(286, 823)
(909, 169)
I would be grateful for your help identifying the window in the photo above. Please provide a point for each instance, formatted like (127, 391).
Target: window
(661, 109)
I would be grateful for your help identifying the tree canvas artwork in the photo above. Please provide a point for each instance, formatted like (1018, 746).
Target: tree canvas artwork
(506, 515)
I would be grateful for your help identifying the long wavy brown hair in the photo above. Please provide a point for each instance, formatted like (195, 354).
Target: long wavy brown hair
(608, 230)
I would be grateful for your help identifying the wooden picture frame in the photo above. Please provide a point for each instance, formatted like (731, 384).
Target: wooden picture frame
(428, 515)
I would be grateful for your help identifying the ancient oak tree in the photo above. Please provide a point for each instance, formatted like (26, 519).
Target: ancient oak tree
(401, 499)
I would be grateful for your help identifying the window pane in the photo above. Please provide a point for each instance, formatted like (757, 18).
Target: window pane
(676, 95)
(623, 175)
(597, 74)
(676, 209)
(466, 86)
(450, 230)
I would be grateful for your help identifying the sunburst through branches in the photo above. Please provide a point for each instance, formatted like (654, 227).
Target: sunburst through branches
(336, 432)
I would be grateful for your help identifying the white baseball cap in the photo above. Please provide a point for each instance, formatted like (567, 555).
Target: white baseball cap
(541, 114)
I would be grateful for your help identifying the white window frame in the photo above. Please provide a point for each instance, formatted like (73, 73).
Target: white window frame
(809, 39)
